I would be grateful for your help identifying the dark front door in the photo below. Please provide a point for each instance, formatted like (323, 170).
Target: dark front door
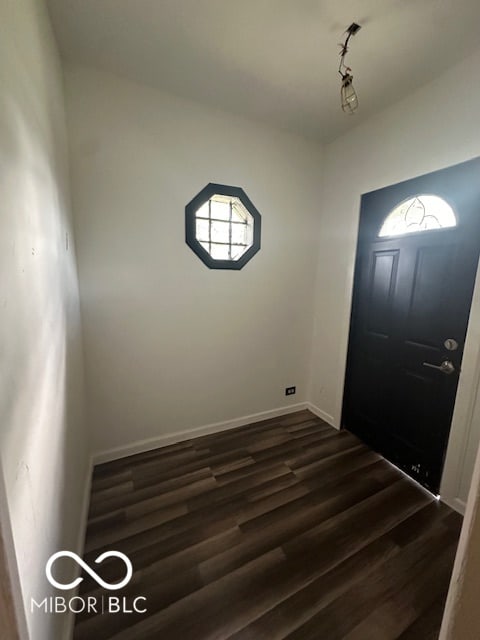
(417, 256)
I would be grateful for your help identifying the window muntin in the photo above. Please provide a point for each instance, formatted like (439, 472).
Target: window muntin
(421, 213)
(223, 227)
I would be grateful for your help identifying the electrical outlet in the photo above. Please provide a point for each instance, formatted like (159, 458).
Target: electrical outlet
(289, 391)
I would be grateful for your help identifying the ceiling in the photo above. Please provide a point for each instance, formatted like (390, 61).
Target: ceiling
(271, 60)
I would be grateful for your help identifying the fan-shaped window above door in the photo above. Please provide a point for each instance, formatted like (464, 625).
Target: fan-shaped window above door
(421, 213)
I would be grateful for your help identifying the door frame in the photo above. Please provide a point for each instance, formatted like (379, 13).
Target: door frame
(12, 611)
(464, 429)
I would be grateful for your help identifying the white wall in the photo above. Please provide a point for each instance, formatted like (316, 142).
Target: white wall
(170, 344)
(43, 449)
(433, 128)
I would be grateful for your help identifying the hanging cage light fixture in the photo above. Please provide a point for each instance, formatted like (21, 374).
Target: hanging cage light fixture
(348, 94)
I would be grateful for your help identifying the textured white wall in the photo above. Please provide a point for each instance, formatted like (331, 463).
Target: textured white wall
(433, 128)
(43, 446)
(170, 344)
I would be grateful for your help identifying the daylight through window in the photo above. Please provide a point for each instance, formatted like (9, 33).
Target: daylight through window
(421, 213)
(224, 227)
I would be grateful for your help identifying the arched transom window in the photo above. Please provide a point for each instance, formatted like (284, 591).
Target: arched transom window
(421, 213)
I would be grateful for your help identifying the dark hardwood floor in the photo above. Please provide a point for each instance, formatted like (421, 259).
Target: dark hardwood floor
(282, 529)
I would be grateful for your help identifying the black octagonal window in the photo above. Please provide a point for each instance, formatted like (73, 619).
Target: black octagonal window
(222, 226)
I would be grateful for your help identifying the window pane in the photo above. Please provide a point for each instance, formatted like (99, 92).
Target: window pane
(239, 213)
(202, 230)
(239, 233)
(421, 213)
(249, 234)
(237, 252)
(220, 231)
(203, 211)
(220, 210)
(220, 252)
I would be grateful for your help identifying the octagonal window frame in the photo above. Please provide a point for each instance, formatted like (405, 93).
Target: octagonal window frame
(191, 209)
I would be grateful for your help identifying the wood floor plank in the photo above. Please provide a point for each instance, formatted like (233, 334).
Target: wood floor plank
(403, 607)
(363, 598)
(109, 536)
(118, 489)
(150, 564)
(150, 499)
(298, 608)
(103, 481)
(142, 482)
(159, 594)
(285, 528)
(366, 519)
(229, 601)
(426, 626)
(309, 427)
(172, 533)
(284, 524)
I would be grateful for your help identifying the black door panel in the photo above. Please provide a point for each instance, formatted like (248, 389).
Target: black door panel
(412, 292)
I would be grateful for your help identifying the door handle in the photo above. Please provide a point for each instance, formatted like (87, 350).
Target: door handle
(447, 367)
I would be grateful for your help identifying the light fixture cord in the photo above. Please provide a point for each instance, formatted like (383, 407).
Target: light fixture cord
(343, 70)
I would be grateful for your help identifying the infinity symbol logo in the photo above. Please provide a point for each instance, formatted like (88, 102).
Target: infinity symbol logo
(85, 567)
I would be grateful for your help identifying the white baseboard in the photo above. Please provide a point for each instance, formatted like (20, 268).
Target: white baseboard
(171, 438)
(80, 544)
(454, 503)
(322, 414)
